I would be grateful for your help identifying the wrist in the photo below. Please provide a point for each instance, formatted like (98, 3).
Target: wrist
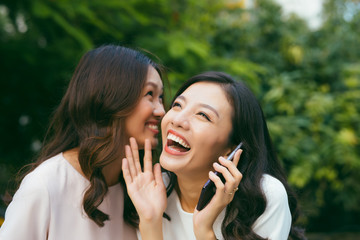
(149, 217)
(150, 223)
(150, 230)
(205, 235)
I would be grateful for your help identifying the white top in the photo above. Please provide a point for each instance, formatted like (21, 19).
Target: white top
(48, 205)
(274, 223)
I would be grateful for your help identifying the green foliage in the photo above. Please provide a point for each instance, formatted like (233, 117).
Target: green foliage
(308, 81)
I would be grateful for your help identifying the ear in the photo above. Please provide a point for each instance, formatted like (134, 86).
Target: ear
(229, 150)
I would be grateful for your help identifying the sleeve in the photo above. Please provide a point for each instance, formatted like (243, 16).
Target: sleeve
(275, 222)
(28, 215)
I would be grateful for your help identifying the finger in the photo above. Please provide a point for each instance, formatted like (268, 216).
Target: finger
(130, 160)
(234, 171)
(219, 201)
(147, 156)
(126, 172)
(230, 181)
(135, 153)
(237, 157)
(158, 175)
(217, 181)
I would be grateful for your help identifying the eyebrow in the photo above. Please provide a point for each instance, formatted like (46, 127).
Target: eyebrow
(202, 105)
(153, 84)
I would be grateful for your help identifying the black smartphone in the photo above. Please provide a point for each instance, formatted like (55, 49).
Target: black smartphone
(209, 188)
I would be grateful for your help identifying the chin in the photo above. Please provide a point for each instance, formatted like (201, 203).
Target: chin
(163, 164)
(162, 159)
(169, 163)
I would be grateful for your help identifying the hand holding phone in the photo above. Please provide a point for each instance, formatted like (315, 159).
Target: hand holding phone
(209, 188)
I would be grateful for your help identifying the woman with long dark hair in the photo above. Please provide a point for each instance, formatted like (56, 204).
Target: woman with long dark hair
(75, 190)
(210, 115)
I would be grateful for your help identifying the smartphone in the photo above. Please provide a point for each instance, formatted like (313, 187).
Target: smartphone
(209, 188)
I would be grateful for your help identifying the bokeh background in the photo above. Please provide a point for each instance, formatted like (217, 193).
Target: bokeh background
(306, 77)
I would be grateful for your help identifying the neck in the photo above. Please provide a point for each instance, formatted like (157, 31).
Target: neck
(111, 171)
(188, 190)
(72, 156)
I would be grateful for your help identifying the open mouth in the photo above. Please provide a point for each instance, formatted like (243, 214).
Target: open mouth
(153, 127)
(177, 144)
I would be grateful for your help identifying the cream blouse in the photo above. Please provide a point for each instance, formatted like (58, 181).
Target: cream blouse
(48, 205)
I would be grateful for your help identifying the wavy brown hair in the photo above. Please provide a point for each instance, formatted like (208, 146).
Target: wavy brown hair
(104, 89)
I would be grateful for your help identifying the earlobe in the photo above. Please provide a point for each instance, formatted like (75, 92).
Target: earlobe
(228, 151)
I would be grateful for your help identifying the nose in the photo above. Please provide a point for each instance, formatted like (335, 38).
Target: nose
(159, 110)
(180, 120)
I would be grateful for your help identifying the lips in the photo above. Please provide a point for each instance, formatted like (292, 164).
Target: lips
(153, 126)
(176, 144)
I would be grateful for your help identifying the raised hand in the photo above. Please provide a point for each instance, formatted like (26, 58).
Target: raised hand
(203, 220)
(145, 188)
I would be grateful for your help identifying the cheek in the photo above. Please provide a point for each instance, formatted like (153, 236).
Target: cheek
(144, 109)
(212, 145)
(136, 119)
(164, 122)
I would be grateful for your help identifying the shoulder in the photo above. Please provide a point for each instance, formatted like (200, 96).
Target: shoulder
(49, 176)
(273, 189)
(275, 222)
(33, 186)
(33, 194)
(30, 208)
(51, 165)
(39, 177)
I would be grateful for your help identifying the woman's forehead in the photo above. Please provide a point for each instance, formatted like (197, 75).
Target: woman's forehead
(208, 93)
(205, 91)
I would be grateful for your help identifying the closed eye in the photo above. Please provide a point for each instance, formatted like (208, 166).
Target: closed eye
(149, 93)
(204, 116)
(176, 104)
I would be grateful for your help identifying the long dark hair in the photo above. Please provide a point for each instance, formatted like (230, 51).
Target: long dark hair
(249, 127)
(104, 89)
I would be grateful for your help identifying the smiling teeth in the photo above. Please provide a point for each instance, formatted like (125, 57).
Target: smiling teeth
(178, 140)
(155, 127)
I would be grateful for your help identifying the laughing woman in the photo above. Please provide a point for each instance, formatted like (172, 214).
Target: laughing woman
(75, 190)
(210, 115)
